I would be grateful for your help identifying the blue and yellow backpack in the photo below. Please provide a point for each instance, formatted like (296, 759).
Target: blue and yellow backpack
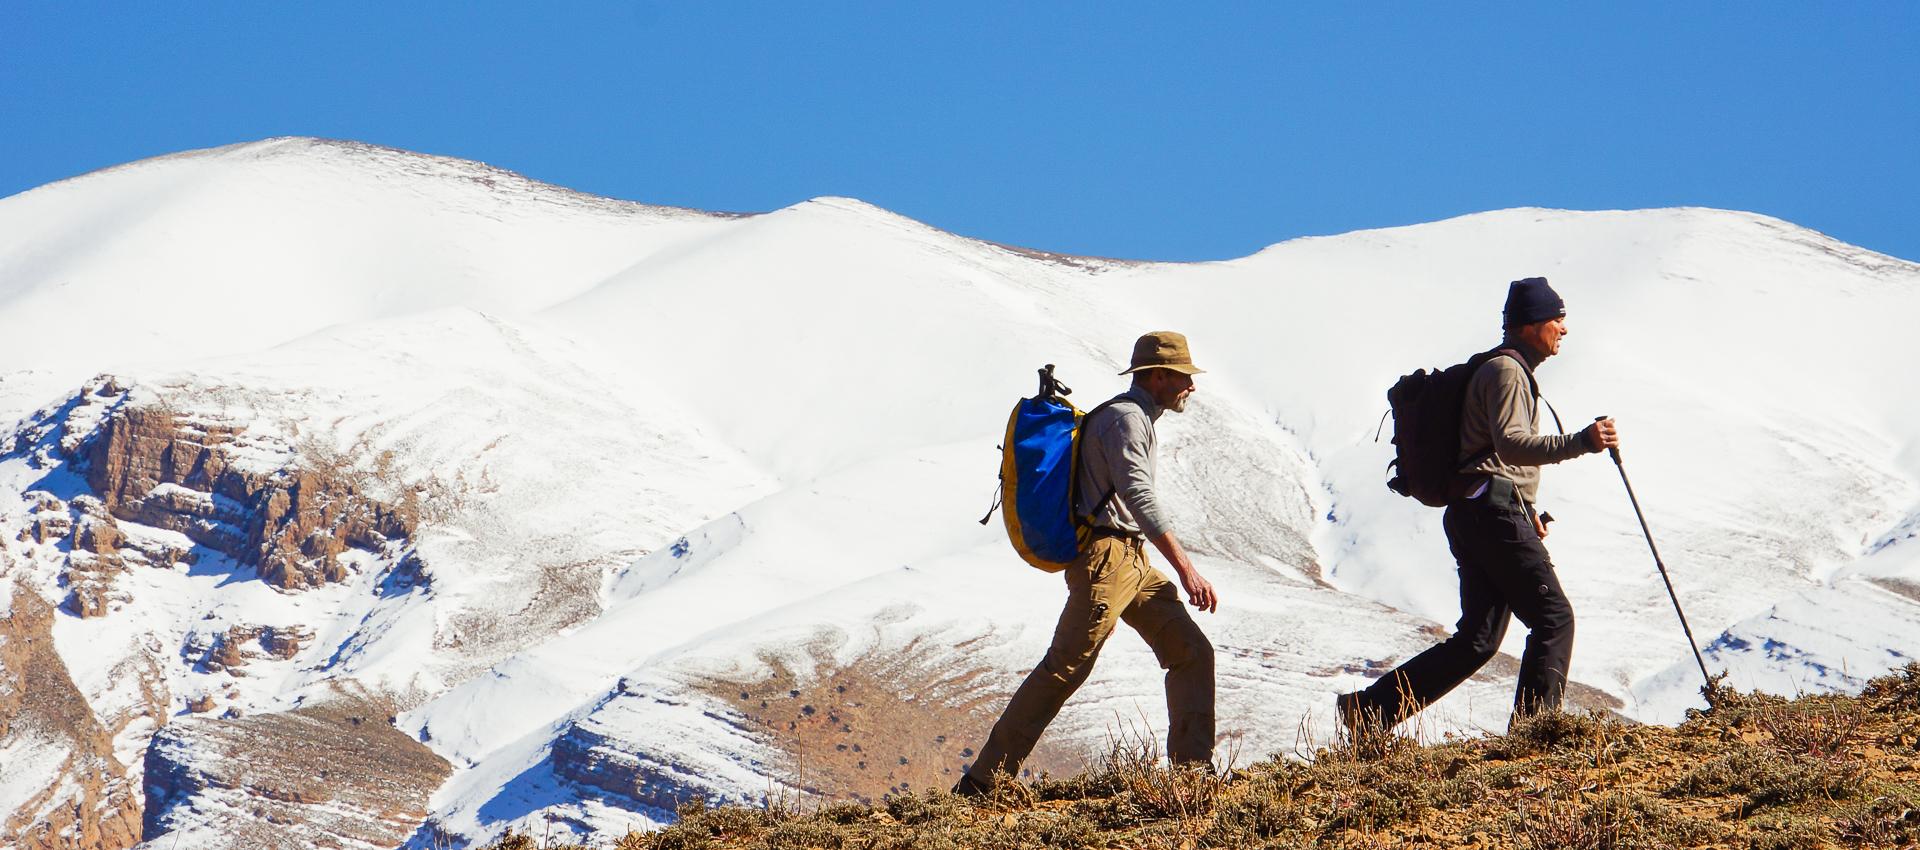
(1037, 463)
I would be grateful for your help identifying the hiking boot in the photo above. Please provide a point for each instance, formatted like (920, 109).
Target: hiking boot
(1356, 719)
(971, 788)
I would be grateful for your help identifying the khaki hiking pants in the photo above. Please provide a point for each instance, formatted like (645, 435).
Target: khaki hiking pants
(1111, 582)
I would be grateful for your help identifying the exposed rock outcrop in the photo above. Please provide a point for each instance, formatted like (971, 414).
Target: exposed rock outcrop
(94, 559)
(285, 642)
(47, 520)
(596, 760)
(663, 768)
(50, 735)
(333, 775)
(231, 650)
(156, 468)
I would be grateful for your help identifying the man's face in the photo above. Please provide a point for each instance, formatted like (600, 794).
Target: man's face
(1545, 336)
(1169, 388)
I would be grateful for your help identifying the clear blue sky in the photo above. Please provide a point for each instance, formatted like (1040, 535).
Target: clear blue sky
(1156, 130)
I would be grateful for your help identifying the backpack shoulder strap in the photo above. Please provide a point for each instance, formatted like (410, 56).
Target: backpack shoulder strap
(1534, 384)
(1073, 487)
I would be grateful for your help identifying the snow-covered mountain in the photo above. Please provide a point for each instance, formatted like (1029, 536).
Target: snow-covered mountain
(398, 499)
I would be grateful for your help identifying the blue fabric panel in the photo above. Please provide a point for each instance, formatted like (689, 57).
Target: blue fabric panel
(1043, 452)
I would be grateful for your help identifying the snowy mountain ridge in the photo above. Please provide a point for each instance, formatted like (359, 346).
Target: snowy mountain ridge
(606, 506)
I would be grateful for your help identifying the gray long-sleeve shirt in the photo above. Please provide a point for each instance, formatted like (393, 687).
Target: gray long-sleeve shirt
(1502, 413)
(1117, 460)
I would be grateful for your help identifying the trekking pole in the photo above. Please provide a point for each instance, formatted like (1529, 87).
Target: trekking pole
(1691, 643)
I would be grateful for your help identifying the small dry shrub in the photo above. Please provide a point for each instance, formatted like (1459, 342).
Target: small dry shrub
(1507, 777)
(1085, 786)
(1264, 808)
(1466, 781)
(1820, 728)
(1787, 833)
(844, 813)
(699, 826)
(1729, 708)
(1462, 792)
(1891, 820)
(802, 834)
(1557, 824)
(1896, 692)
(929, 837)
(1368, 795)
(680, 837)
(1547, 730)
(1376, 806)
(928, 806)
(1366, 742)
(1116, 812)
(1767, 778)
(1180, 792)
(1068, 831)
(1612, 821)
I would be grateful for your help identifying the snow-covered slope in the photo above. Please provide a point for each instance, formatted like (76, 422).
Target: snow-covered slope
(672, 489)
(240, 248)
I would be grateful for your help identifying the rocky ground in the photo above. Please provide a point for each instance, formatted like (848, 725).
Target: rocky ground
(1754, 771)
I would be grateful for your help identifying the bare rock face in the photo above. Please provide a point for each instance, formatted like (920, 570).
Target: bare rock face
(50, 734)
(229, 651)
(95, 558)
(285, 642)
(334, 775)
(152, 467)
(48, 519)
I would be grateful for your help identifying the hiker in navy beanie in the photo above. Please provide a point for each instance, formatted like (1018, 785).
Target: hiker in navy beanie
(1532, 300)
(1495, 531)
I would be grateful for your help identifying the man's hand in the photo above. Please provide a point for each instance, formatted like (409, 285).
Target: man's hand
(1603, 435)
(1539, 527)
(1199, 591)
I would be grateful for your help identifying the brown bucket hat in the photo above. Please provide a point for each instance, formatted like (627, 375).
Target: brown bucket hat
(1162, 350)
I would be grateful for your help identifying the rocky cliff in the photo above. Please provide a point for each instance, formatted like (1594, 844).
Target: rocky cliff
(158, 489)
(64, 788)
(153, 467)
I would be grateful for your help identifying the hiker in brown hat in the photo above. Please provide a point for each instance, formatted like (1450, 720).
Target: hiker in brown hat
(1110, 581)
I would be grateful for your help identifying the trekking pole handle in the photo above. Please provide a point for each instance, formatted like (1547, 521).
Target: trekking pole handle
(1615, 450)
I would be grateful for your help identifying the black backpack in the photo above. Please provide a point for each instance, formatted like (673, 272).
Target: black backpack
(1426, 409)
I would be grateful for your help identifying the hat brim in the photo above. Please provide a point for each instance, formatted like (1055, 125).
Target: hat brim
(1183, 368)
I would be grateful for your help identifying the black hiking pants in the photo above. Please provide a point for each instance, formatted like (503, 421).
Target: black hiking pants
(1504, 570)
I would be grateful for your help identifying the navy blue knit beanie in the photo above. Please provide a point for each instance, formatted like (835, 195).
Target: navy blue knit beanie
(1532, 300)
